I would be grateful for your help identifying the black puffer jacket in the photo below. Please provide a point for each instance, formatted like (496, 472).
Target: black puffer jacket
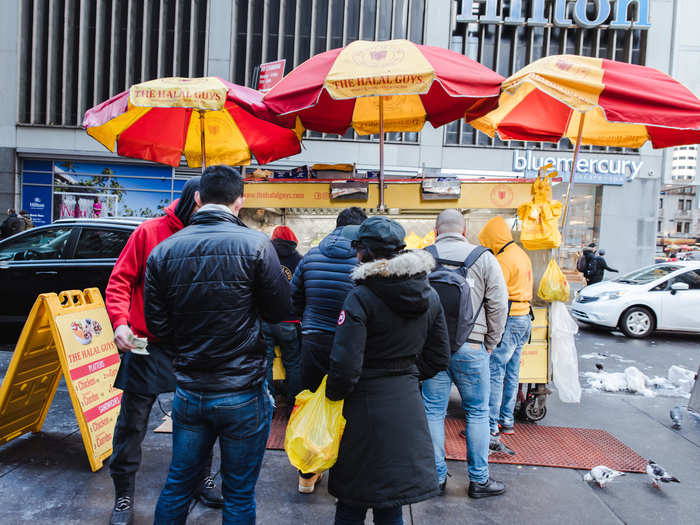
(391, 332)
(206, 289)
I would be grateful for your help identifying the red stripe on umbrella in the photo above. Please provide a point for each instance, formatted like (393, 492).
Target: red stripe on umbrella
(264, 139)
(537, 118)
(159, 136)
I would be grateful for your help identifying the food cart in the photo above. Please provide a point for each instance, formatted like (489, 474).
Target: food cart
(415, 202)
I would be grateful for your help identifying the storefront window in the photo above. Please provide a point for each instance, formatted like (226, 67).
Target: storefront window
(63, 189)
(583, 223)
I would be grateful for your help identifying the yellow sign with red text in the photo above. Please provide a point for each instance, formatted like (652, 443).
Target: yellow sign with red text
(67, 334)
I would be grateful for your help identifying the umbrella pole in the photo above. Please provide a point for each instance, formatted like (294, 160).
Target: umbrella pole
(201, 130)
(381, 154)
(572, 178)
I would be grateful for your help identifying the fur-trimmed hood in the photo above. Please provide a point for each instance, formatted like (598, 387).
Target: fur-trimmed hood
(401, 283)
(407, 264)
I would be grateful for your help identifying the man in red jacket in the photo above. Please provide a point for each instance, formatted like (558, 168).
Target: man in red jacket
(142, 377)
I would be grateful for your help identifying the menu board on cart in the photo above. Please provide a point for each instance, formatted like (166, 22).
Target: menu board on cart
(65, 335)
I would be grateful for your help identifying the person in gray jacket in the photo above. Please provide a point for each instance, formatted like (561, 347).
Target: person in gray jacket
(469, 365)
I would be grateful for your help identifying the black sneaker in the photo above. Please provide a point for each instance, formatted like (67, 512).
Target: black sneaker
(485, 490)
(497, 446)
(443, 486)
(123, 512)
(208, 495)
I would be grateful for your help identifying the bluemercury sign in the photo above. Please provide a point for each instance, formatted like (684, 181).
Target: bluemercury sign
(606, 170)
(579, 15)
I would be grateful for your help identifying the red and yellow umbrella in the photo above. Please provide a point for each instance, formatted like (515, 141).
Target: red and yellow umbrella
(388, 86)
(344, 87)
(599, 101)
(593, 101)
(154, 121)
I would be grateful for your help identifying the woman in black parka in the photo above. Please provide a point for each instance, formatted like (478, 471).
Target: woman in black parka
(391, 334)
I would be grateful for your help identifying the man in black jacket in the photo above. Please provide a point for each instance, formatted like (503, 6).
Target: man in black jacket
(13, 224)
(596, 268)
(207, 288)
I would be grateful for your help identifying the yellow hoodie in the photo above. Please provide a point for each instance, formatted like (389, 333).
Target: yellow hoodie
(515, 264)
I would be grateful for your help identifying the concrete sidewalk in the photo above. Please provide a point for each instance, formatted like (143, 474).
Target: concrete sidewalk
(45, 478)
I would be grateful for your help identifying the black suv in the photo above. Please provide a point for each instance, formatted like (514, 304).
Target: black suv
(69, 254)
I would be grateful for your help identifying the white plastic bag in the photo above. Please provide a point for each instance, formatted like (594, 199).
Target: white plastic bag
(564, 356)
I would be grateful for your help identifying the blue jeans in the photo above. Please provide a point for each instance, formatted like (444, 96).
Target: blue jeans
(349, 515)
(469, 370)
(505, 371)
(241, 421)
(286, 336)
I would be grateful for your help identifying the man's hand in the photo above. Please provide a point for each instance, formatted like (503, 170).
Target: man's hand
(122, 337)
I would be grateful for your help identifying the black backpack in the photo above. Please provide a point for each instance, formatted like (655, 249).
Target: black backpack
(456, 294)
(582, 264)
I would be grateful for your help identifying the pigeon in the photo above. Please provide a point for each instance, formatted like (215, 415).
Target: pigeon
(676, 417)
(496, 445)
(657, 473)
(602, 475)
(599, 366)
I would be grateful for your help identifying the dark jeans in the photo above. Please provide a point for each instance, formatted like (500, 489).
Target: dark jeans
(315, 356)
(129, 432)
(287, 337)
(241, 421)
(349, 515)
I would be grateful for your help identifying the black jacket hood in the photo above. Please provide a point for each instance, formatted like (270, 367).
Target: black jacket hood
(284, 247)
(214, 216)
(401, 283)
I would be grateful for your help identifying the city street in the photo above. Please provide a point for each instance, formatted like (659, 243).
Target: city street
(46, 478)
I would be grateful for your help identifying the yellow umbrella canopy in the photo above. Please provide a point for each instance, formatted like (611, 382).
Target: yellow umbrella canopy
(154, 121)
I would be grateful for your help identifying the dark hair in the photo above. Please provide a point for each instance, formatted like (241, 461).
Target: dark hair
(369, 255)
(352, 216)
(220, 185)
(185, 205)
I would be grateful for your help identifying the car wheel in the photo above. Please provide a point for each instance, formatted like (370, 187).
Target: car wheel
(637, 322)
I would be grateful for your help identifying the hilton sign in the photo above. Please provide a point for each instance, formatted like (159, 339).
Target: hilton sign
(603, 9)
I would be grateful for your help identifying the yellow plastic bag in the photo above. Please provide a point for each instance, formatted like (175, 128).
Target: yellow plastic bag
(428, 239)
(314, 431)
(540, 217)
(413, 241)
(553, 286)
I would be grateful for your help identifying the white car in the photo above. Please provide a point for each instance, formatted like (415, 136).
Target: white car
(660, 297)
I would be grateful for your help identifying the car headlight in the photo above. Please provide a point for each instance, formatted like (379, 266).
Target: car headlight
(610, 296)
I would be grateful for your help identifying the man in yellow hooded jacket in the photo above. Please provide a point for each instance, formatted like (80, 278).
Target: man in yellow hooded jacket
(505, 358)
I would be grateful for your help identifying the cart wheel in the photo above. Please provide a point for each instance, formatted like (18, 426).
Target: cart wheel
(535, 411)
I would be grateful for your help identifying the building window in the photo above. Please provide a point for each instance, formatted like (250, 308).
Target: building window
(658, 227)
(661, 203)
(680, 204)
(74, 55)
(506, 48)
(63, 189)
(688, 204)
(679, 227)
(296, 30)
(686, 227)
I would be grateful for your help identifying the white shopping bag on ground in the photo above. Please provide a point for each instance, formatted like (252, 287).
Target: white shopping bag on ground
(564, 356)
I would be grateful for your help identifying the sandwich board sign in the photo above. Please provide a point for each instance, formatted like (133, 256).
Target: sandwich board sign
(67, 335)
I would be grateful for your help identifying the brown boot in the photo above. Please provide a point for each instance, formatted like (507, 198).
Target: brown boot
(308, 485)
